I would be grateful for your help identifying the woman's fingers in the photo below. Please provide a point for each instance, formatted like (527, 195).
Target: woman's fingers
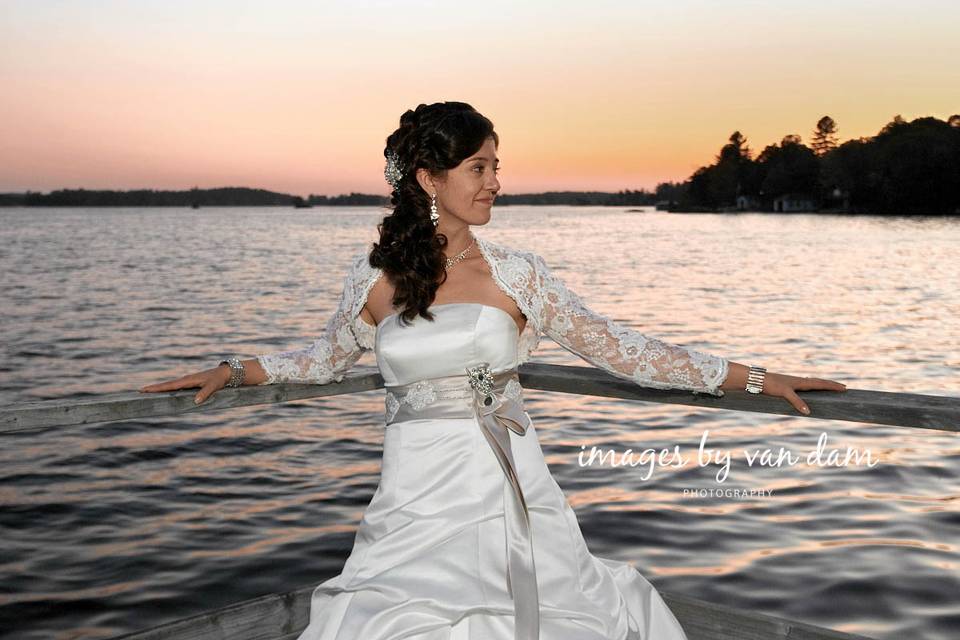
(186, 382)
(209, 382)
(189, 381)
(208, 389)
(787, 386)
(795, 400)
(807, 384)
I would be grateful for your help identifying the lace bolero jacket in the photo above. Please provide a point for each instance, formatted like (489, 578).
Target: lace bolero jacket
(551, 309)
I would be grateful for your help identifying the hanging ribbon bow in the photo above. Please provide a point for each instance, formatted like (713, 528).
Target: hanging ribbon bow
(499, 414)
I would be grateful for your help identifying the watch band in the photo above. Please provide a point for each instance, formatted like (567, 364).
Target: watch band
(755, 379)
(237, 372)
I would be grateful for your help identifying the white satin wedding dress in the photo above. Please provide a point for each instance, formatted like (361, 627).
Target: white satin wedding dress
(431, 556)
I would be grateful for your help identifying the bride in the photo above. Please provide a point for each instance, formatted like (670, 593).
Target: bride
(468, 535)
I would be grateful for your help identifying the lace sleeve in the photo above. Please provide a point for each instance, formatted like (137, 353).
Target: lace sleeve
(619, 350)
(329, 356)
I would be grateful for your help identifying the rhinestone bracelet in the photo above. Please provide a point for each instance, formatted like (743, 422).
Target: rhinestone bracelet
(237, 372)
(755, 379)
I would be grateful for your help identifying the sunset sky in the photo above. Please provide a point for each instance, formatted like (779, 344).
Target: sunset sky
(299, 96)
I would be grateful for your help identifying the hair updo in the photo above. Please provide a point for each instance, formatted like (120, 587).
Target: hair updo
(436, 137)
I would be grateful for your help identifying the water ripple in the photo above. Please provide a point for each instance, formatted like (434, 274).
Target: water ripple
(109, 528)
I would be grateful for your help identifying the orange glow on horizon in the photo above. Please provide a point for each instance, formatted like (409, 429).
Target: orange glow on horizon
(301, 100)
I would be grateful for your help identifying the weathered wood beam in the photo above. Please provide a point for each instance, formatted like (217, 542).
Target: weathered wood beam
(855, 405)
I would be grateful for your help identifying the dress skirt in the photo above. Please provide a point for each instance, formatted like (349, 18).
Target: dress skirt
(429, 560)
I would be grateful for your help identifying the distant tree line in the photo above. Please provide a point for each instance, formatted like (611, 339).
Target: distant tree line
(584, 198)
(225, 196)
(907, 168)
(245, 197)
(352, 200)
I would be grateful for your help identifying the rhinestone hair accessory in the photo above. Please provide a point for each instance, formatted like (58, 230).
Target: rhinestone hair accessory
(394, 170)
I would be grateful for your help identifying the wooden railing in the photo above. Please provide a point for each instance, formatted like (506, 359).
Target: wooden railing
(854, 405)
(283, 616)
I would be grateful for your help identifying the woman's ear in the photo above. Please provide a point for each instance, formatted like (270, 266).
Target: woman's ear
(426, 181)
(430, 184)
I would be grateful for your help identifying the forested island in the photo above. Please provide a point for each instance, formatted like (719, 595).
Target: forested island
(906, 168)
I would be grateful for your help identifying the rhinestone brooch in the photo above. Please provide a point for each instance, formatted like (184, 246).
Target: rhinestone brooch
(481, 379)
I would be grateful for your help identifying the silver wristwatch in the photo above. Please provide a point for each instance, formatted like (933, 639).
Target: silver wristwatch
(755, 379)
(237, 373)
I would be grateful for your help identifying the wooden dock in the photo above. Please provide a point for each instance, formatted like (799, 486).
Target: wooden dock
(283, 616)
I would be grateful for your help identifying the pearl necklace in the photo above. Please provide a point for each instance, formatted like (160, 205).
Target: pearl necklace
(457, 258)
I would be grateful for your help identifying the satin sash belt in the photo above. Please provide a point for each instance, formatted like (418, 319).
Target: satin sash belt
(481, 394)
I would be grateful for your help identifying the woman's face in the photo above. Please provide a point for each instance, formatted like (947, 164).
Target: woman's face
(466, 196)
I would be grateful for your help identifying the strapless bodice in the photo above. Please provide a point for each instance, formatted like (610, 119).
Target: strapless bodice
(461, 334)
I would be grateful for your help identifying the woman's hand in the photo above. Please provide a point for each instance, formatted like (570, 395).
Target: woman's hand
(209, 381)
(784, 386)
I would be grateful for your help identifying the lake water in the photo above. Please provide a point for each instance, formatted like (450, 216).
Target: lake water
(111, 528)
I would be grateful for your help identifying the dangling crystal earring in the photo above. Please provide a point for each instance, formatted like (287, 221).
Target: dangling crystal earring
(434, 216)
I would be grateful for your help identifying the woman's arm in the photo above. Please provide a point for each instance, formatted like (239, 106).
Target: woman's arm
(621, 351)
(646, 360)
(253, 373)
(781, 385)
(327, 358)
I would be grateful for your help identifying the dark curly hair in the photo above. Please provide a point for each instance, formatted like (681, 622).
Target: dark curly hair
(437, 137)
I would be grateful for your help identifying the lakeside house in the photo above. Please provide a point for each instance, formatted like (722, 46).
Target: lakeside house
(790, 202)
(748, 203)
